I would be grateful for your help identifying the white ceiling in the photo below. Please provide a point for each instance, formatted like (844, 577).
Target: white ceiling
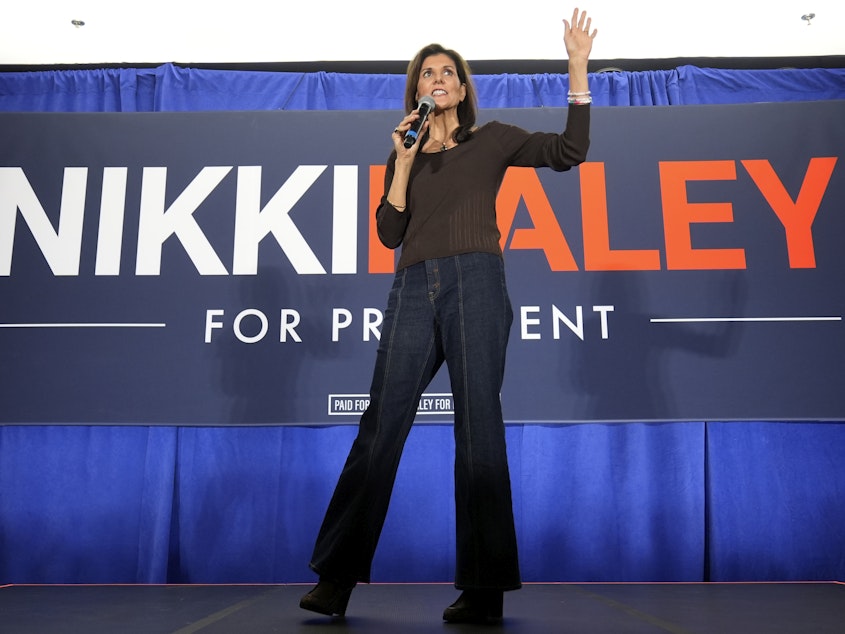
(41, 32)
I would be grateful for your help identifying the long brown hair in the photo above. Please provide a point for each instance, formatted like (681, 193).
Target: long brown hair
(467, 109)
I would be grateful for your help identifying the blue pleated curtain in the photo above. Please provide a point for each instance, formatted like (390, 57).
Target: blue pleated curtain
(681, 501)
(172, 88)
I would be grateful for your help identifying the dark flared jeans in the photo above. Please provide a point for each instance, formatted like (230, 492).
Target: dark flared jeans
(454, 309)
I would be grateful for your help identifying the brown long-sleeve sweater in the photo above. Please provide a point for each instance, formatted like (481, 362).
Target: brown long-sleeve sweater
(451, 197)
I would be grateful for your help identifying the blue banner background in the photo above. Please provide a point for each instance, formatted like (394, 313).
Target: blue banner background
(643, 371)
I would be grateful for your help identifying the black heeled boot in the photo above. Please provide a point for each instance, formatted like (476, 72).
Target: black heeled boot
(328, 597)
(476, 606)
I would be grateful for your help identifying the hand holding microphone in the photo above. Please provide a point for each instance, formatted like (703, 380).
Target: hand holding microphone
(424, 108)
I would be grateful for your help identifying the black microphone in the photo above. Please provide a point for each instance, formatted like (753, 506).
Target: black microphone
(425, 106)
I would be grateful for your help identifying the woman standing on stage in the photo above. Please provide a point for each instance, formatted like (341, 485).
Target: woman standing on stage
(449, 303)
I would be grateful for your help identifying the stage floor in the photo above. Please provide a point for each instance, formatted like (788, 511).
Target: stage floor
(685, 608)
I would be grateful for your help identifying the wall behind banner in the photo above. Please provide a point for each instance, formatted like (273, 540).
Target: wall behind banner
(695, 500)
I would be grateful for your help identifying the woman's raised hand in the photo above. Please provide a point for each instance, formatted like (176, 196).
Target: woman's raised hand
(577, 36)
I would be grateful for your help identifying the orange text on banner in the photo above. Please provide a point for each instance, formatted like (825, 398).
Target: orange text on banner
(679, 215)
(796, 216)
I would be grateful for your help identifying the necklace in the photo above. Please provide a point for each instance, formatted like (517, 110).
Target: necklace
(443, 146)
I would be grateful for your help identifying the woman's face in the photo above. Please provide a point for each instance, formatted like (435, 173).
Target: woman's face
(439, 79)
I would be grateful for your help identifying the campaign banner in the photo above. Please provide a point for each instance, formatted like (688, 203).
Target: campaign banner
(221, 268)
